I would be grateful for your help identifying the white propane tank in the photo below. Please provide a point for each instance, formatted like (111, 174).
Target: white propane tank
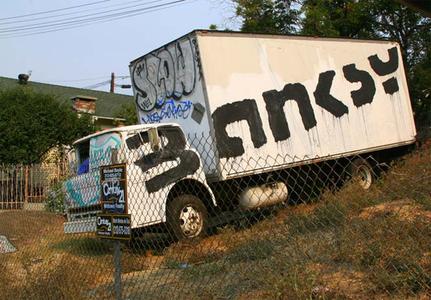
(263, 195)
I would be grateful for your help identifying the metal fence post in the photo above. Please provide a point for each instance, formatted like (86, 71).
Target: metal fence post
(117, 270)
(117, 247)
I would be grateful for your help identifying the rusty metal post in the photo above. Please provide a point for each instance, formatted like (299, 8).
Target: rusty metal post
(26, 184)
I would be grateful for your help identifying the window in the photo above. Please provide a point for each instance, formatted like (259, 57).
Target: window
(83, 157)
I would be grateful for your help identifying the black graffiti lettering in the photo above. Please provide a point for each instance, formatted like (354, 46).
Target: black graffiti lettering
(232, 112)
(384, 68)
(323, 97)
(189, 163)
(174, 149)
(168, 73)
(274, 105)
(391, 86)
(368, 89)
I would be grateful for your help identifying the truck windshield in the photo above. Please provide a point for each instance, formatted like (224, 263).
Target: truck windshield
(96, 152)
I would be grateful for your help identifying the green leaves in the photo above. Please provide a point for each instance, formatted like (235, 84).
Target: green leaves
(268, 16)
(128, 112)
(339, 18)
(32, 123)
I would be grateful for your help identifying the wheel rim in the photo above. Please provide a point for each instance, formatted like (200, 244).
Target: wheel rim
(365, 177)
(191, 221)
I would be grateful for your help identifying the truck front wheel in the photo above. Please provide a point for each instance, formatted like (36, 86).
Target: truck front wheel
(187, 217)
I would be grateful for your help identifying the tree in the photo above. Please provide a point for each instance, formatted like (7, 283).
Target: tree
(33, 123)
(128, 112)
(268, 16)
(337, 18)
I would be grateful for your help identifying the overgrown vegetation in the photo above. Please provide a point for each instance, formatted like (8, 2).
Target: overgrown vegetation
(128, 112)
(55, 200)
(32, 123)
(350, 244)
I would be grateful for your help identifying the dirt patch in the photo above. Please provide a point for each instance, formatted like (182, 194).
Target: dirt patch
(24, 227)
(198, 252)
(347, 283)
(405, 210)
(337, 282)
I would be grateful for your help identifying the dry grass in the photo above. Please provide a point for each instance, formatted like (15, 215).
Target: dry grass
(349, 245)
(49, 263)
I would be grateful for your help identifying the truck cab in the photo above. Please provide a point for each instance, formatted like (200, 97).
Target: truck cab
(165, 179)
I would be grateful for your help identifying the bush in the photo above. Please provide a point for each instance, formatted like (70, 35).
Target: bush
(56, 198)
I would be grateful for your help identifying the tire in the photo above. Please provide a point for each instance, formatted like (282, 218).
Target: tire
(187, 217)
(362, 173)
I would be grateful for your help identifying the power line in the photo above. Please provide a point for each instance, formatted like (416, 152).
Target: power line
(101, 19)
(77, 18)
(78, 80)
(60, 28)
(82, 18)
(54, 10)
(97, 85)
(69, 13)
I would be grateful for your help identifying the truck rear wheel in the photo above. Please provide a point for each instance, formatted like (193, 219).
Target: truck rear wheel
(187, 217)
(362, 173)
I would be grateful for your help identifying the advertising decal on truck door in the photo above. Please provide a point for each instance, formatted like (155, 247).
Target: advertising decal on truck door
(114, 189)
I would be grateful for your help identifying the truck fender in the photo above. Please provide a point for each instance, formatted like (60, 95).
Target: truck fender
(195, 187)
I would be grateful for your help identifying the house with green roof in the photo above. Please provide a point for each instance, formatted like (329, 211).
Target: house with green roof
(102, 106)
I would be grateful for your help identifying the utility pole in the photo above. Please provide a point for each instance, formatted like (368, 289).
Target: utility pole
(111, 90)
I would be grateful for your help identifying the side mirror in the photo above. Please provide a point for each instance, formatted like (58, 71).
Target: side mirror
(155, 142)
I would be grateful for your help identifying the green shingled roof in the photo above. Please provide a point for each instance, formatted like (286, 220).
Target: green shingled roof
(107, 104)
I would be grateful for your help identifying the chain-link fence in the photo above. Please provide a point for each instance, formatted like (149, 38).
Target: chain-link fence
(272, 227)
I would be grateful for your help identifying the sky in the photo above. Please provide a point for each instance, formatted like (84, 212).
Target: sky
(86, 55)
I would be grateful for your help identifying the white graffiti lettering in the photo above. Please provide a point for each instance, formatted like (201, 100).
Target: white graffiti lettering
(168, 73)
(113, 188)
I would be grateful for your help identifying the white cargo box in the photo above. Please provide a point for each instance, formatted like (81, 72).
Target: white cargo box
(252, 102)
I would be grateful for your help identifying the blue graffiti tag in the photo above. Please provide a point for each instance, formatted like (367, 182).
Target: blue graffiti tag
(170, 110)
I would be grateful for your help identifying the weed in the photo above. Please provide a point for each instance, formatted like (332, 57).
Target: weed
(84, 246)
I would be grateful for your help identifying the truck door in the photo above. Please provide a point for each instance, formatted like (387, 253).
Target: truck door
(83, 189)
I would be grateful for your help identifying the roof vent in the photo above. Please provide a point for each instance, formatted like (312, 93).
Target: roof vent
(23, 78)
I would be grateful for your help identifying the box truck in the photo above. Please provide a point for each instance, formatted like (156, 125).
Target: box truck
(228, 111)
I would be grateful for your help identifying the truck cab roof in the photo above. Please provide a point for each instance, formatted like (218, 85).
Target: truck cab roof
(123, 129)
